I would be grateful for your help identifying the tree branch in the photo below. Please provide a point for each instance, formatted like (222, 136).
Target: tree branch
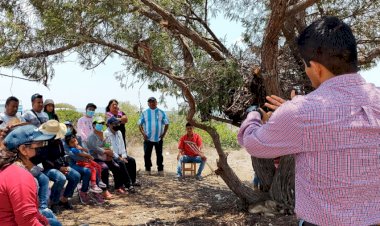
(26, 79)
(369, 58)
(301, 6)
(174, 24)
(224, 120)
(221, 46)
(46, 53)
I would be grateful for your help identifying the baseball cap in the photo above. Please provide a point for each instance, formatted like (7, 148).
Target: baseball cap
(67, 123)
(35, 96)
(23, 135)
(112, 120)
(98, 120)
(151, 99)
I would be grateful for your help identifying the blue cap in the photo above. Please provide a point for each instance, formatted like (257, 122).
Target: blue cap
(35, 96)
(68, 123)
(23, 135)
(151, 99)
(112, 120)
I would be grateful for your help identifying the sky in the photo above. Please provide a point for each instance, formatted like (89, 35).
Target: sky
(74, 85)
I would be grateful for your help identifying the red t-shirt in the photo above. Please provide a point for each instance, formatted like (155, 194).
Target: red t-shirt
(18, 198)
(189, 144)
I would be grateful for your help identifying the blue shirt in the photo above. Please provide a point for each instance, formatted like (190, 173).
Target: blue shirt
(153, 122)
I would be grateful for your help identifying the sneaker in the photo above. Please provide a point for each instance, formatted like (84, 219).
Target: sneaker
(120, 191)
(107, 195)
(147, 172)
(199, 177)
(131, 190)
(98, 198)
(179, 178)
(55, 208)
(95, 189)
(102, 185)
(161, 173)
(84, 198)
(66, 205)
(136, 184)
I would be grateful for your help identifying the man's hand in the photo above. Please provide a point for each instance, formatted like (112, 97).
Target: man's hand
(276, 101)
(108, 152)
(64, 170)
(145, 136)
(162, 136)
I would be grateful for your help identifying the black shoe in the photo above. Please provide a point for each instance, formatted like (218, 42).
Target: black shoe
(55, 208)
(136, 184)
(67, 205)
(131, 190)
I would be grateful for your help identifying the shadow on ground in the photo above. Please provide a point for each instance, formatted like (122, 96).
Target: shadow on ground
(166, 201)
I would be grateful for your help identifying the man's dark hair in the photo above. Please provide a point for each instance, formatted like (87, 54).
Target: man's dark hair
(11, 98)
(330, 42)
(189, 124)
(89, 105)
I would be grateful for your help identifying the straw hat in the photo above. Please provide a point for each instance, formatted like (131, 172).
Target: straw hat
(53, 127)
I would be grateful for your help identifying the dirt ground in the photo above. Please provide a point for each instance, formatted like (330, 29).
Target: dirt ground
(166, 201)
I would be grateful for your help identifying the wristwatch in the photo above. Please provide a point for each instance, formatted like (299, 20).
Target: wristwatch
(254, 108)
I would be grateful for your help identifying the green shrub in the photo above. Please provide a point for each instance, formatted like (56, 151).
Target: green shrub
(68, 115)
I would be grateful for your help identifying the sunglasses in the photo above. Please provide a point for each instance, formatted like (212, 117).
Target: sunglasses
(39, 143)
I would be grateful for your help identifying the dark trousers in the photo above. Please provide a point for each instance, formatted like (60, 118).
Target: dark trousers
(148, 147)
(131, 167)
(119, 171)
(122, 175)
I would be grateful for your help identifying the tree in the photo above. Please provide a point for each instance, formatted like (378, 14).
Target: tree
(170, 45)
(65, 106)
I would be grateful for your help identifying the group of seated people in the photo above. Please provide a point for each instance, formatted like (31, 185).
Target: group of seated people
(54, 151)
(36, 145)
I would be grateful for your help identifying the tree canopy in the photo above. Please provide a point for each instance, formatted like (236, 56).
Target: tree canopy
(164, 40)
(170, 45)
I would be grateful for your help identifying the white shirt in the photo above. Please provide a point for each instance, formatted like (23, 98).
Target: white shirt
(116, 141)
(35, 118)
(6, 118)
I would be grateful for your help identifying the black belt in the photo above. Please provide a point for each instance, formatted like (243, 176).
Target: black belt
(305, 223)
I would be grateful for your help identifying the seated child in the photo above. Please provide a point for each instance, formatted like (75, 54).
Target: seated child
(86, 161)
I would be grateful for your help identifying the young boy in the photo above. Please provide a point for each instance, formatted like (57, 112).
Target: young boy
(86, 161)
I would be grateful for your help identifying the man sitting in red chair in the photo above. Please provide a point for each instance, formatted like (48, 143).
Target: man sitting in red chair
(190, 146)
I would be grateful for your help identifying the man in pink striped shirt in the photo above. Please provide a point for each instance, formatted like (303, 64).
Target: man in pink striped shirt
(333, 132)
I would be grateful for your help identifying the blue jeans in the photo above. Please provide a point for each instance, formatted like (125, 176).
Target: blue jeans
(59, 180)
(186, 159)
(256, 181)
(43, 190)
(50, 216)
(85, 173)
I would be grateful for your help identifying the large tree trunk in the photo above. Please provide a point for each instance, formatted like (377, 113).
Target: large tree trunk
(282, 189)
(264, 168)
(246, 194)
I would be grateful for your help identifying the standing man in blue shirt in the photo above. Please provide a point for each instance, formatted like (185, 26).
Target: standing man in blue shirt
(153, 124)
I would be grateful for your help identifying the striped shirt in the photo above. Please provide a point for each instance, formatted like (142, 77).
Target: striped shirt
(334, 133)
(153, 122)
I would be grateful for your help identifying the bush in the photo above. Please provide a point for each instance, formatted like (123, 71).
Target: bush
(68, 115)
